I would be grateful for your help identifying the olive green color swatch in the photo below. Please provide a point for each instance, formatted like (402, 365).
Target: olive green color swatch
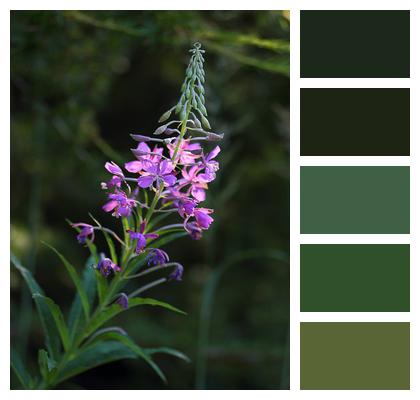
(362, 200)
(354, 277)
(355, 355)
(355, 44)
(355, 122)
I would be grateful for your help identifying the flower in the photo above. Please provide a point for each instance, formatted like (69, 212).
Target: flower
(211, 166)
(117, 177)
(202, 217)
(113, 168)
(157, 257)
(120, 204)
(87, 232)
(194, 230)
(106, 266)
(122, 301)
(197, 181)
(141, 238)
(145, 157)
(185, 153)
(180, 200)
(160, 173)
(177, 273)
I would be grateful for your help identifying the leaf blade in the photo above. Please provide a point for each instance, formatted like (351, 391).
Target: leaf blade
(115, 309)
(49, 328)
(75, 278)
(20, 371)
(58, 318)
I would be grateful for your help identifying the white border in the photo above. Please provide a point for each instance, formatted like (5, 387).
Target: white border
(296, 238)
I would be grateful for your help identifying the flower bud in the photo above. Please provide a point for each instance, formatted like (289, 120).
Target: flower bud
(140, 138)
(165, 116)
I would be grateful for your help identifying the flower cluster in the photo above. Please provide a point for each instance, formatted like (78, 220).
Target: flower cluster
(168, 175)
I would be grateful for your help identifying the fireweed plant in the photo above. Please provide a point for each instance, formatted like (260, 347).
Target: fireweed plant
(169, 175)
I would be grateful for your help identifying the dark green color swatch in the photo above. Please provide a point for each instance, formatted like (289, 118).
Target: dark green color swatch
(355, 200)
(355, 122)
(355, 355)
(355, 44)
(354, 277)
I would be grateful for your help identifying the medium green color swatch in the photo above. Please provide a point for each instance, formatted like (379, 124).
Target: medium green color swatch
(355, 200)
(355, 44)
(355, 355)
(354, 277)
(355, 122)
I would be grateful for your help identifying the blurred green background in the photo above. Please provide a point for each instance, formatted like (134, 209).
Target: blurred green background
(81, 82)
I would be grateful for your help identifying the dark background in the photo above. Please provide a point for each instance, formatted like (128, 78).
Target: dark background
(81, 82)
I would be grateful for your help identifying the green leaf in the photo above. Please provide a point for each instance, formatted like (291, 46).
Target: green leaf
(116, 309)
(168, 350)
(101, 285)
(58, 318)
(140, 352)
(20, 371)
(46, 364)
(98, 354)
(76, 280)
(52, 337)
(76, 316)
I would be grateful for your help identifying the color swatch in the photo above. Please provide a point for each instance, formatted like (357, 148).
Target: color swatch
(354, 122)
(355, 355)
(355, 278)
(355, 44)
(354, 200)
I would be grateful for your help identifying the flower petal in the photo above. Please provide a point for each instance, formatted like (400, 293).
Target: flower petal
(145, 181)
(134, 166)
(198, 193)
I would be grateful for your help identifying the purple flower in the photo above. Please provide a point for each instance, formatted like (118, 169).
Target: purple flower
(106, 266)
(117, 177)
(87, 232)
(180, 200)
(157, 257)
(113, 168)
(160, 173)
(145, 157)
(141, 238)
(202, 217)
(194, 230)
(211, 166)
(177, 273)
(197, 181)
(185, 153)
(122, 301)
(120, 204)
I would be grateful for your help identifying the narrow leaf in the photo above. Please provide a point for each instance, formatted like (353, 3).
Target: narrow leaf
(76, 317)
(116, 309)
(98, 354)
(52, 338)
(46, 364)
(76, 280)
(20, 371)
(168, 350)
(58, 318)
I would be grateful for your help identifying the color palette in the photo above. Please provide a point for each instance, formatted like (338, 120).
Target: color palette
(355, 122)
(355, 199)
(355, 44)
(354, 278)
(355, 355)
(359, 125)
